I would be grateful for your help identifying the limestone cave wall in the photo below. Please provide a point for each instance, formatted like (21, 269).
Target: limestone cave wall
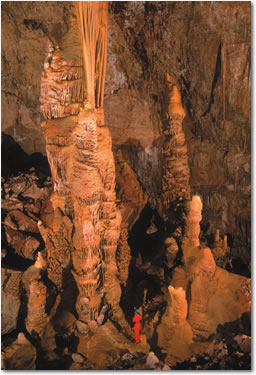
(125, 183)
(204, 47)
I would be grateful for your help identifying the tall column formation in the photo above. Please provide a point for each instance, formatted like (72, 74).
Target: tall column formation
(79, 150)
(175, 180)
(96, 218)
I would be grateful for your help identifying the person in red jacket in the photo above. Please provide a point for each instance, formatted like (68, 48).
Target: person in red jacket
(136, 319)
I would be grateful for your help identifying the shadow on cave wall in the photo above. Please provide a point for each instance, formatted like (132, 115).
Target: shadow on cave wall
(15, 160)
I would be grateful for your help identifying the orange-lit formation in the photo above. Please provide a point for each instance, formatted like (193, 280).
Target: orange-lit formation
(118, 241)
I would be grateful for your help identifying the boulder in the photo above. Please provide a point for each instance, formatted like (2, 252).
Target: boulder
(166, 367)
(244, 343)
(23, 245)
(79, 358)
(17, 220)
(82, 327)
(152, 360)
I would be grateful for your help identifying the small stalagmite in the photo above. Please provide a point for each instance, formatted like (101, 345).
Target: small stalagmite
(217, 235)
(192, 230)
(174, 332)
(178, 307)
(225, 241)
(36, 290)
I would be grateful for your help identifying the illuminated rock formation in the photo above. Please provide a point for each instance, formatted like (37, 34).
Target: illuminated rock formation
(175, 180)
(36, 291)
(62, 83)
(175, 333)
(192, 228)
(86, 227)
(201, 295)
(208, 306)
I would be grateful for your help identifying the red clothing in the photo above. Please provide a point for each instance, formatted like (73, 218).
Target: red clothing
(136, 319)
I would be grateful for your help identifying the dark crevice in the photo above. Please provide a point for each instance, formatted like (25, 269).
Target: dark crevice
(34, 25)
(215, 79)
(188, 297)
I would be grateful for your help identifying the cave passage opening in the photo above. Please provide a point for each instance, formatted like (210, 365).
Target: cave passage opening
(147, 268)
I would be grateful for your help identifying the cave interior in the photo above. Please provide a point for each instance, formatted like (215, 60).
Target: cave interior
(126, 184)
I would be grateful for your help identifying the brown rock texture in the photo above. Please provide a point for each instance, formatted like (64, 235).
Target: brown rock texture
(57, 239)
(10, 299)
(185, 41)
(23, 200)
(23, 62)
(131, 200)
(21, 354)
(170, 124)
(205, 50)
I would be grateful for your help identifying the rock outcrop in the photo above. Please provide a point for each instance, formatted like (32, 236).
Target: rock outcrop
(206, 65)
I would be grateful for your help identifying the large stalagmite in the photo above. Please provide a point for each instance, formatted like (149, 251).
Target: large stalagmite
(79, 149)
(175, 180)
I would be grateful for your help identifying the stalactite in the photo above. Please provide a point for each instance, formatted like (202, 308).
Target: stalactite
(93, 20)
